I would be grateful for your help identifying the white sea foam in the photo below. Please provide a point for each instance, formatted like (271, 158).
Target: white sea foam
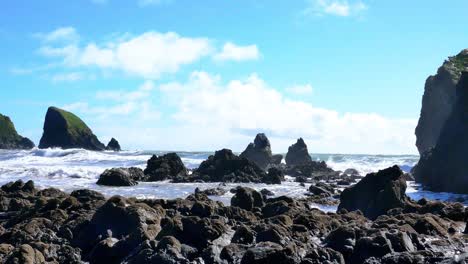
(74, 169)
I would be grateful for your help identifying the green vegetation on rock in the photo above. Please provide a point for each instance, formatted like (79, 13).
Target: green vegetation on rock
(75, 125)
(9, 138)
(7, 129)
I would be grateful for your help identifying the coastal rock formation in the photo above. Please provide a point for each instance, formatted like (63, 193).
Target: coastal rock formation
(65, 130)
(376, 193)
(440, 96)
(225, 166)
(259, 152)
(9, 138)
(50, 226)
(168, 166)
(298, 154)
(121, 177)
(444, 168)
(113, 145)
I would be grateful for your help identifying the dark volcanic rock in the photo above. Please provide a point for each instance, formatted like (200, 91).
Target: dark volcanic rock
(440, 97)
(247, 198)
(376, 193)
(65, 130)
(121, 177)
(298, 154)
(168, 166)
(444, 168)
(113, 145)
(259, 152)
(224, 166)
(9, 138)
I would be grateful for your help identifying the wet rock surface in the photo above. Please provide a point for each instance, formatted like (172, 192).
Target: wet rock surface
(113, 145)
(259, 152)
(121, 177)
(168, 166)
(50, 226)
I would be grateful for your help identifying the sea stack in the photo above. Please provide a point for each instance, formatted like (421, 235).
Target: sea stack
(113, 145)
(298, 154)
(444, 168)
(65, 130)
(9, 138)
(259, 152)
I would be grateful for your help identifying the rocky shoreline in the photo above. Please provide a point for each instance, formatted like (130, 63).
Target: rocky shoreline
(379, 226)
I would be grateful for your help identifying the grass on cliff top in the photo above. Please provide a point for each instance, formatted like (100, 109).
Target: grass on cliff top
(460, 61)
(74, 124)
(7, 129)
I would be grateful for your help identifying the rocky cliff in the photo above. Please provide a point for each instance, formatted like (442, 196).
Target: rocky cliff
(444, 168)
(259, 152)
(9, 138)
(438, 100)
(65, 130)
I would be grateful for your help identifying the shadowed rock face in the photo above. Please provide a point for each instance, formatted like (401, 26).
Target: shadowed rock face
(298, 154)
(439, 100)
(168, 166)
(259, 152)
(9, 138)
(376, 193)
(65, 130)
(444, 168)
(113, 145)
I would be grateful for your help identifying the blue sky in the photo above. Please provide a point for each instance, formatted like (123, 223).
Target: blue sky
(348, 76)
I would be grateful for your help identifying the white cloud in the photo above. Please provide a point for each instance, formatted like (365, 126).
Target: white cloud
(230, 114)
(67, 77)
(234, 52)
(305, 89)
(341, 8)
(147, 55)
(68, 34)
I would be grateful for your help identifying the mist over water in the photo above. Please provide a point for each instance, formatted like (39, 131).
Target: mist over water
(74, 169)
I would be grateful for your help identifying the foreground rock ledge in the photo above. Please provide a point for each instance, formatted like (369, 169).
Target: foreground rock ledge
(50, 226)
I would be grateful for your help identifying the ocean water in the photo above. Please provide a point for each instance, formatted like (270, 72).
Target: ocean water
(73, 169)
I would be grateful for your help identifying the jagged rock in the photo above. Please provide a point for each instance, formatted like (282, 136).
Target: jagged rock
(247, 198)
(121, 177)
(25, 254)
(259, 152)
(65, 130)
(274, 176)
(168, 166)
(376, 193)
(440, 96)
(351, 172)
(443, 169)
(224, 166)
(113, 145)
(9, 138)
(298, 154)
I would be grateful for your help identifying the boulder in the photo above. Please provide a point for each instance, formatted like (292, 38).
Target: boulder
(298, 154)
(9, 138)
(247, 198)
(259, 152)
(168, 166)
(224, 166)
(120, 177)
(65, 130)
(443, 168)
(438, 102)
(376, 193)
(25, 254)
(113, 145)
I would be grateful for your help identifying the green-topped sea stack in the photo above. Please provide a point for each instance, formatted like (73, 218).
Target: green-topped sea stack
(9, 138)
(65, 130)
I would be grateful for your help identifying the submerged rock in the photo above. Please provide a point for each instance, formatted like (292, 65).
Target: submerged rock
(113, 145)
(440, 97)
(376, 193)
(444, 168)
(65, 130)
(9, 138)
(259, 152)
(121, 177)
(167, 166)
(298, 154)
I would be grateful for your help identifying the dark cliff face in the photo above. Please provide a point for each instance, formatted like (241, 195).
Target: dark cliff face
(298, 154)
(65, 130)
(259, 152)
(438, 101)
(445, 167)
(9, 138)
